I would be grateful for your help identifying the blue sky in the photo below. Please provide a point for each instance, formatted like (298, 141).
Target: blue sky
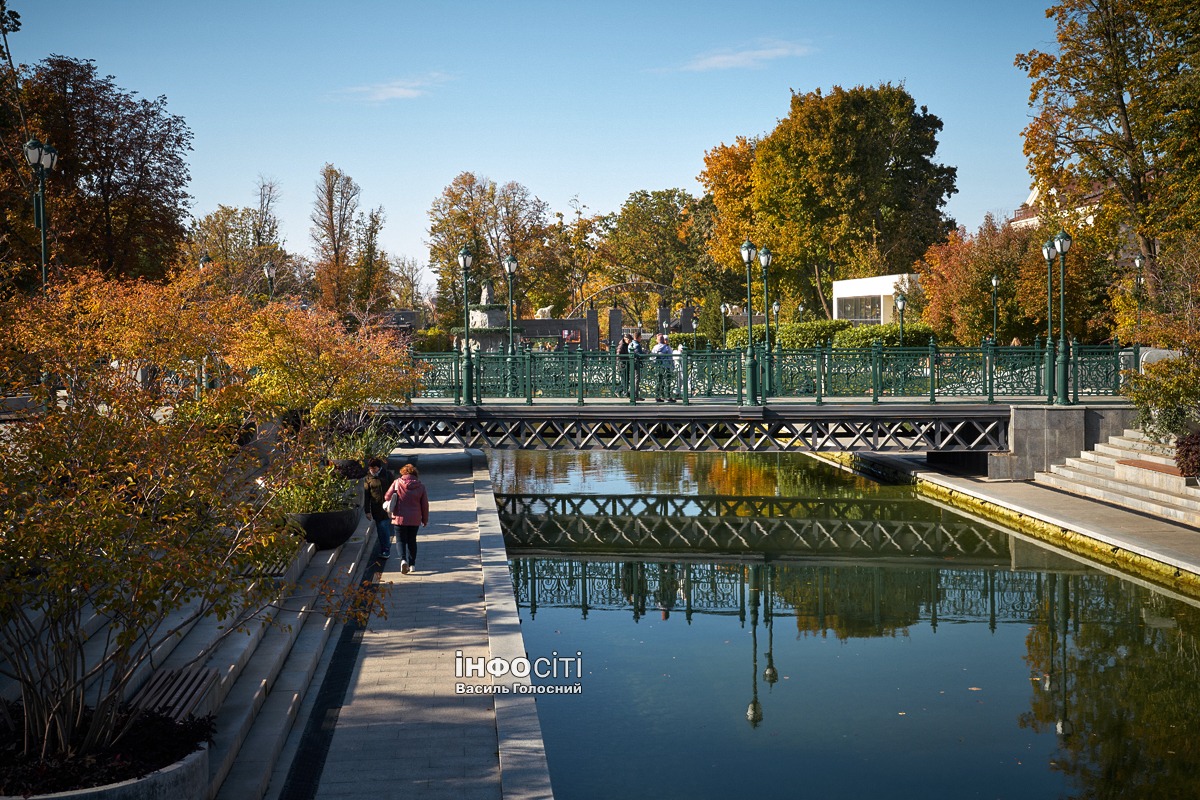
(588, 100)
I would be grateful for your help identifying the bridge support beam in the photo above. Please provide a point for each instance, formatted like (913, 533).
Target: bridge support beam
(1040, 436)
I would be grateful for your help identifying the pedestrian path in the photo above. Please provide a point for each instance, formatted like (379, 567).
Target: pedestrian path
(1164, 551)
(400, 729)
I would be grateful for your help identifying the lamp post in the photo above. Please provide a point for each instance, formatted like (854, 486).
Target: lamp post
(749, 252)
(42, 158)
(901, 302)
(799, 312)
(510, 272)
(995, 286)
(1139, 283)
(775, 307)
(764, 258)
(1062, 243)
(464, 261)
(724, 313)
(1048, 254)
(269, 271)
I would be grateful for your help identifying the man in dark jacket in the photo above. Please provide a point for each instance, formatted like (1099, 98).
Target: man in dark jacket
(375, 485)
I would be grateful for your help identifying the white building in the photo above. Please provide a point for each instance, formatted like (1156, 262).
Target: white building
(870, 301)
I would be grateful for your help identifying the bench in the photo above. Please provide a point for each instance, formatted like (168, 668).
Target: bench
(176, 693)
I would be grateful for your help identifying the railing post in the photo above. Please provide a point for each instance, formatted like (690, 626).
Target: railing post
(456, 377)
(989, 356)
(685, 389)
(932, 370)
(820, 372)
(741, 370)
(1116, 381)
(579, 391)
(1037, 373)
(528, 376)
(876, 369)
(1074, 368)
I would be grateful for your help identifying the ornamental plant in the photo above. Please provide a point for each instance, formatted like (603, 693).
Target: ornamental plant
(140, 485)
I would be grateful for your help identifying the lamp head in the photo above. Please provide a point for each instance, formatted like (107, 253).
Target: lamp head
(464, 258)
(764, 258)
(205, 260)
(1048, 250)
(33, 152)
(1138, 261)
(749, 252)
(901, 302)
(510, 264)
(49, 158)
(1062, 242)
(269, 270)
(775, 307)
(995, 282)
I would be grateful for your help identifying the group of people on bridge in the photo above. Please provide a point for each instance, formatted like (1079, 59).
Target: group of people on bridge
(660, 360)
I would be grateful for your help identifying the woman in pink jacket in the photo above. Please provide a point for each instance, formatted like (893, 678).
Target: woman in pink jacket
(411, 513)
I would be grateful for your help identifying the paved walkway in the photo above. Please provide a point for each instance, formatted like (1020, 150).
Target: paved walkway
(1164, 551)
(399, 729)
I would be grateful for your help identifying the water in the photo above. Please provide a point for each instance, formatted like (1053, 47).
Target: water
(764, 625)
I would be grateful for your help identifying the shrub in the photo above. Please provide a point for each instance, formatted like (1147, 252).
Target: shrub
(802, 335)
(691, 341)
(1187, 454)
(916, 334)
(1167, 397)
(431, 340)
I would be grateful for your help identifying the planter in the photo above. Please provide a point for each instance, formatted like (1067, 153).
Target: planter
(328, 529)
(349, 469)
(183, 780)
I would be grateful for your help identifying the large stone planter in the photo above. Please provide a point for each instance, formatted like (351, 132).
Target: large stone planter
(328, 529)
(183, 780)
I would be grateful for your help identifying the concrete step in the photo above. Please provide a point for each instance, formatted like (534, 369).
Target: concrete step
(1107, 461)
(260, 708)
(1135, 502)
(1120, 486)
(1121, 453)
(1144, 445)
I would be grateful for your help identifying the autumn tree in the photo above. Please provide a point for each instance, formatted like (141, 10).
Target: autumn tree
(117, 200)
(335, 208)
(845, 186)
(492, 221)
(235, 244)
(1096, 141)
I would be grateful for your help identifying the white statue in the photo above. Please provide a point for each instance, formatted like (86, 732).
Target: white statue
(543, 313)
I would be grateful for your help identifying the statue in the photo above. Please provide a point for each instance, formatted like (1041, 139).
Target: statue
(487, 295)
(543, 313)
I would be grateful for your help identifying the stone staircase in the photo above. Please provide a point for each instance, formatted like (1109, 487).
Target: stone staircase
(1131, 471)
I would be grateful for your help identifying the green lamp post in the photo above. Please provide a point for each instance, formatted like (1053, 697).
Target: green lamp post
(1062, 243)
(464, 261)
(1048, 254)
(901, 303)
(1139, 284)
(269, 272)
(41, 158)
(995, 287)
(724, 314)
(510, 272)
(749, 253)
(764, 258)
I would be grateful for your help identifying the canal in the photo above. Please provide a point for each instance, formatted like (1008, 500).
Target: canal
(766, 625)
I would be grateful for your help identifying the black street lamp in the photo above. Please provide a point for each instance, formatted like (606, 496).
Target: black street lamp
(464, 261)
(1062, 243)
(1048, 254)
(749, 252)
(901, 302)
(995, 286)
(510, 272)
(269, 272)
(42, 158)
(1139, 283)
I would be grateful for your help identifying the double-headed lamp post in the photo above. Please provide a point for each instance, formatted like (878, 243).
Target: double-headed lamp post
(42, 158)
(510, 272)
(269, 272)
(749, 253)
(901, 302)
(1048, 254)
(464, 261)
(1062, 243)
(995, 287)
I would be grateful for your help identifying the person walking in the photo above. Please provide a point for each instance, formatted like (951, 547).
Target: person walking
(412, 511)
(375, 486)
(664, 356)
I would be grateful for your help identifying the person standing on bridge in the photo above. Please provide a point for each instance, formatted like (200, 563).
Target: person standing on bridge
(411, 513)
(664, 384)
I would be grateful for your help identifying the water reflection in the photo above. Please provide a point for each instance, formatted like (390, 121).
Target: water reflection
(894, 649)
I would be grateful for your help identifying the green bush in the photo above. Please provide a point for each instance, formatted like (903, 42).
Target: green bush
(803, 335)
(431, 340)
(691, 341)
(311, 486)
(916, 334)
(1167, 397)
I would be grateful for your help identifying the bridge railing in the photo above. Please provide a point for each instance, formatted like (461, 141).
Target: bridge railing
(927, 372)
